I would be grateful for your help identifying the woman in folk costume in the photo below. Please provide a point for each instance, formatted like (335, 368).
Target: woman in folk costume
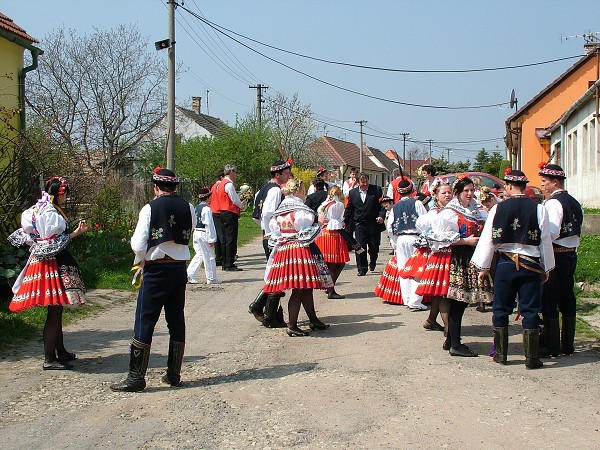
(51, 276)
(205, 236)
(388, 287)
(462, 219)
(331, 242)
(430, 264)
(296, 262)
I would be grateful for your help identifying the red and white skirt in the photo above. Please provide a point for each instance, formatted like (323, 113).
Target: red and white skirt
(295, 266)
(388, 287)
(46, 283)
(415, 266)
(436, 276)
(333, 246)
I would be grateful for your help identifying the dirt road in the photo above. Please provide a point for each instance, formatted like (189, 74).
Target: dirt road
(375, 379)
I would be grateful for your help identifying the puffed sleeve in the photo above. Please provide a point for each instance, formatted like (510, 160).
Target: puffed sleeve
(303, 219)
(50, 223)
(336, 216)
(139, 240)
(442, 230)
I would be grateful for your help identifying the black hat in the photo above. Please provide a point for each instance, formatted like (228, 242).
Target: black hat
(164, 176)
(321, 171)
(405, 187)
(204, 193)
(281, 165)
(386, 199)
(515, 176)
(552, 170)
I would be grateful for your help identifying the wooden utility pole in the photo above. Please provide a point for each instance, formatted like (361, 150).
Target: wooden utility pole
(259, 101)
(171, 89)
(430, 142)
(360, 153)
(404, 136)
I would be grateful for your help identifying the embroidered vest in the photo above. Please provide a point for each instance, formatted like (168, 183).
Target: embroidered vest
(198, 210)
(516, 222)
(572, 215)
(170, 220)
(405, 217)
(260, 198)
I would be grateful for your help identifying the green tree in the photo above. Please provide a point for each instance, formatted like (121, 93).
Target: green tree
(493, 164)
(481, 159)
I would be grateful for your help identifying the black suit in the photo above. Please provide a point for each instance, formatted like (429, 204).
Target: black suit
(363, 217)
(314, 200)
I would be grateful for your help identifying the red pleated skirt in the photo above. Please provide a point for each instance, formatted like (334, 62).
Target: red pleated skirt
(41, 286)
(297, 267)
(333, 246)
(388, 287)
(415, 266)
(436, 276)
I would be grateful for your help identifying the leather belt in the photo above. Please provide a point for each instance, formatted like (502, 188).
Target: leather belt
(516, 257)
(164, 259)
(564, 249)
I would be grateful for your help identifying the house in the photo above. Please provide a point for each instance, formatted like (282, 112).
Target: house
(346, 155)
(576, 138)
(527, 138)
(385, 163)
(14, 40)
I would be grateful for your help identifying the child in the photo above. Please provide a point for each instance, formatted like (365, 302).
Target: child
(205, 236)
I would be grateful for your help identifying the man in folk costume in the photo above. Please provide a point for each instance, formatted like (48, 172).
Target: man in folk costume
(519, 230)
(160, 243)
(322, 174)
(392, 189)
(402, 224)
(229, 206)
(566, 217)
(204, 242)
(267, 200)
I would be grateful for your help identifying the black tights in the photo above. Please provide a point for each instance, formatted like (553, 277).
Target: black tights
(53, 335)
(457, 310)
(335, 269)
(302, 297)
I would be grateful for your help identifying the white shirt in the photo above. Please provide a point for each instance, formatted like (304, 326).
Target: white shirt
(484, 252)
(555, 217)
(139, 241)
(210, 233)
(270, 204)
(311, 189)
(334, 213)
(347, 186)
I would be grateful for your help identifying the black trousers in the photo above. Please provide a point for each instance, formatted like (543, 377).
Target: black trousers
(230, 222)
(508, 282)
(220, 238)
(163, 286)
(369, 238)
(558, 292)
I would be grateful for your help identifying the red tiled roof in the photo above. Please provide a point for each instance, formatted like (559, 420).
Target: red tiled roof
(343, 153)
(7, 24)
(411, 165)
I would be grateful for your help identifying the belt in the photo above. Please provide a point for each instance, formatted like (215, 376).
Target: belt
(516, 257)
(164, 259)
(564, 249)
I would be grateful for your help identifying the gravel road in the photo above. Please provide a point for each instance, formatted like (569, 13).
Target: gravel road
(375, 379)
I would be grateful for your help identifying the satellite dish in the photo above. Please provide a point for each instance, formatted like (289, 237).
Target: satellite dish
(513, 99)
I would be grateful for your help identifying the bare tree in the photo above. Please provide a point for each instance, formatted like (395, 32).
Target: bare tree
(98, 93)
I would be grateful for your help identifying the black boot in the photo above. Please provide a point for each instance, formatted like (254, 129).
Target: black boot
(138, 364)
(257, 306)
(270, 319)
(174, 362)
(551, 345)
(501, 344)
(568, 335)
(531, 344)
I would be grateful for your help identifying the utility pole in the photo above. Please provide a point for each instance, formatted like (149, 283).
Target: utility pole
(207, 110)
(360, 153)
(171, 89)
(430, 142)
(259, 101)
(404, 136)
(448, 150)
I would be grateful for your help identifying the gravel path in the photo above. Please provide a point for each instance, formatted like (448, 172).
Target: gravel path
(375, 379)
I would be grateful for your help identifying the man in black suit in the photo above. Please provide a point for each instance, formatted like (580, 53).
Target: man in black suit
(367, 216)
(314, 200)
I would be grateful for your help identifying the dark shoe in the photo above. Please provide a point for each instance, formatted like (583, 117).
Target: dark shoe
(138, 364)
(361, 273)
(501, 344)
(372, 265)
(318, 325)
(258, 305)
(270, 316)
(232, 269)
(481, 307)
(358, 249)
(68, 356)
(57, 365)
(567, 337)
(268, 323)
(551, 345)
(174, 363)
(531, 344)
(433, 326)
(462, 350)
(331, 294)
(291, 332)
(446, 344)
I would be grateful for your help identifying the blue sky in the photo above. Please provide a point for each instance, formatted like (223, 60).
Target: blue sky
(417, 35)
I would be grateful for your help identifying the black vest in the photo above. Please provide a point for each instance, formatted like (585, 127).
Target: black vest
(260, 198)
(405, 217)
(572, 215)
(198, 210)
(170, 220)
(516, 222)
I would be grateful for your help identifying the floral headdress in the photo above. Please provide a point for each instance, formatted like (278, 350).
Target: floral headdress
(63, 184)
(459, 177)
(515, 175)
(166, 176)
(551, 170)
(281, 165)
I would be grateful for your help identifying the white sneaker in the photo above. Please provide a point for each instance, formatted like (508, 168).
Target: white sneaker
(213, 282)
(192, 281)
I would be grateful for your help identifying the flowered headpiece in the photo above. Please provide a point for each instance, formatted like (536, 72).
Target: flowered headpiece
(459, 177)
(321, 171)
(204, 193)
(515, 175)
(551, 170)
(164, 176)
(280, 165)
(436, 184)
(404, 187)
(63, 184)
(386, 199)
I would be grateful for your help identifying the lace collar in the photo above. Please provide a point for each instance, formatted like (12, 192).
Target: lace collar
(472, 211)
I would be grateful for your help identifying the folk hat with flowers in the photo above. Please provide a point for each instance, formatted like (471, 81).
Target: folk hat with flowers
(321, 171)
(164, 176)
(515, 176)
(404, 187)
(280, 165)
(204, 193)
(551, 170)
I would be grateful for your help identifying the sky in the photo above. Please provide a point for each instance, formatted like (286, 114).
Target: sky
(427, 37)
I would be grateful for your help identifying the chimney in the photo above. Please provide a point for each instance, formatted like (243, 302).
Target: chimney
(590, 47)
(196, 104)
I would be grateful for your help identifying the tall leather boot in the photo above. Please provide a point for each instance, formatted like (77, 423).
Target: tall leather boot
(501, 344)
(568, 335)
(174, 362)
(551, 345)
(138, 364)
(257, 306)
(531, 343)
(270, 319)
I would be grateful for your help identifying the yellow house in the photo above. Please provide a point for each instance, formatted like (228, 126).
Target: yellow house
(14, 40)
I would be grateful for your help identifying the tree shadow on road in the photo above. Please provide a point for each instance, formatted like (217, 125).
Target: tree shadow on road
(349, 325)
